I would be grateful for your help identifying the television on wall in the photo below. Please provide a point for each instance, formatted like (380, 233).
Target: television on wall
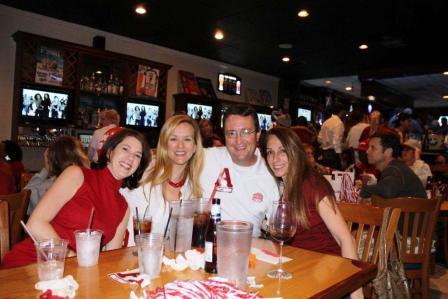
(199, 111)
(440, 118)
(265, 121)
(45, 104)
(142, 115)
(229, 83)
(304, 112)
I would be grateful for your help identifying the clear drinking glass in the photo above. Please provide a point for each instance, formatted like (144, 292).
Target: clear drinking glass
(282, 227)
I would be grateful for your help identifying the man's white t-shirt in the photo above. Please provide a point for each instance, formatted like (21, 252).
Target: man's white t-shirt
(254, 188)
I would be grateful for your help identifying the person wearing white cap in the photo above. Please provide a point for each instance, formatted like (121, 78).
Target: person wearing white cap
(411, 157)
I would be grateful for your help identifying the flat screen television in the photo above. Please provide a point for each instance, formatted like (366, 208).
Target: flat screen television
(440, 118)
(42, 104)
(85, 139)
(304, 112)
(142, 115)
(265, 121)
(199, 111)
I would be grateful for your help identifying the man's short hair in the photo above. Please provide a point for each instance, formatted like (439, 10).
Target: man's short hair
(389, 140)
(112, 116)
(336, 108)
(242, 110)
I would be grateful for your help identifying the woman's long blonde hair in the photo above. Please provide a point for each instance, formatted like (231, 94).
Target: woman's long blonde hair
(162, 168)
(299, 170)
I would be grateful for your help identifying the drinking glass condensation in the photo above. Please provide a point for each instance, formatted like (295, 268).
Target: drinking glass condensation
(88, 243)
(181, 224)
(200, 222)
(51, 258)
(234, 240)
(150, 253)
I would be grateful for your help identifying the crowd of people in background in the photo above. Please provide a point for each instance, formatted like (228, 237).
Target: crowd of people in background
(244, 164)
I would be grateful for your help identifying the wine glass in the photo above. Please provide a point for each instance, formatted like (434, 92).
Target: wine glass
(282, 227)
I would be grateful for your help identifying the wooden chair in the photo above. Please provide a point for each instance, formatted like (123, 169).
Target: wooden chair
(18, 204)
(417, 223)
(365, 221)
(4, 229)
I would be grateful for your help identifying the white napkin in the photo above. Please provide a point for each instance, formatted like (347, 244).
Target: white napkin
(65, 287)
(193, 259)
(268, 256)
(130, 276)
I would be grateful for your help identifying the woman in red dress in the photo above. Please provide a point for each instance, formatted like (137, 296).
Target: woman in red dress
(321, 226)
(66, 206)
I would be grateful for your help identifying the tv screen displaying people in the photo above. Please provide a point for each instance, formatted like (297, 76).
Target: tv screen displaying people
(142, 115)
(304, 112)
(198, 111)
(44, 104)
(265, 121)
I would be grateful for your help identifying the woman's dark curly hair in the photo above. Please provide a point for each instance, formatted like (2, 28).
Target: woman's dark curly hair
(111, 143)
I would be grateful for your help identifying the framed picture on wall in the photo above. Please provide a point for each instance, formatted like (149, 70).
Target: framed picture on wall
(265, 97)
(49, 66)
(206, 87)
(147, 81)
(189, 84)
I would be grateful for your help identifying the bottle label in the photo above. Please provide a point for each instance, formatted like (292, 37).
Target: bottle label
(209, 252)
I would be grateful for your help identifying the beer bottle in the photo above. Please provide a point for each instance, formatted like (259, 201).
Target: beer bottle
(210, 237)
(429, 187)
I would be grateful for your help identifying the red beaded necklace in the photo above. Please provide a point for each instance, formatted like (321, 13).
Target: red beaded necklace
(177, 184)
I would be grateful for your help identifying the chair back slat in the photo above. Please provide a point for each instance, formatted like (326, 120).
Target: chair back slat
(18, 205)
(417, 224)
(4, 229)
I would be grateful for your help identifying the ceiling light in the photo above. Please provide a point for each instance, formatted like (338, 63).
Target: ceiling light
(303, 13)
(219, 34)
(140, 9)
(363, 47)
(371, 98)
(445, 73)
(445, 97)
(286, 59)
(99, 72)
(348, 88)
(328, 81)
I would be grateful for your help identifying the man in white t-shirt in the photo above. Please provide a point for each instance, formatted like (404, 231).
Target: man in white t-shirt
(253, 189)
(108, 119)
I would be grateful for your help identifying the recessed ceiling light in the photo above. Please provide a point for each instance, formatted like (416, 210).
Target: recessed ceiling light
(99, 72)
(219, 34)
(445, 73)
(445, 97)
(348, 88)
(286, 59)
(371, 98)
(285, 46)
(140, 9)
(363, 46)
(303, 13)
(328, 81)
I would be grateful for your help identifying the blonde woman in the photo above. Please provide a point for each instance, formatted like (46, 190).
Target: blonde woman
(174, 174)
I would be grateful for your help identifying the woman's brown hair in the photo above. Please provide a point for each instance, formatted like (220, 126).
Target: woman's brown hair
(299, 171)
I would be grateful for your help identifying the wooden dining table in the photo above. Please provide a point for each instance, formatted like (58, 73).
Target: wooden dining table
(315, 275)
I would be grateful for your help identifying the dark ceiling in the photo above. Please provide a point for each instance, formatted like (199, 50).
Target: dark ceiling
(402, 35)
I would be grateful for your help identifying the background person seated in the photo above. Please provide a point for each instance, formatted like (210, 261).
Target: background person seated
(63, 152)
(410, 155)
(397, 179)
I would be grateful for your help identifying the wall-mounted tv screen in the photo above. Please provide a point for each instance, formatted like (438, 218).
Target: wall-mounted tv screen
(43, 104)
(229, 83)
(199, 111)
(142, 115)
(265, 121)
(304, 112)
(440, 118)
(85, 139)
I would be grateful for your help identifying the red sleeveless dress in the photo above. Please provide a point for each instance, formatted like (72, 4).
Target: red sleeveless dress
(99, 190)
(317, 237)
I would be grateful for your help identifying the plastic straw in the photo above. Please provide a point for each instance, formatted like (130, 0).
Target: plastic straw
(146, 211)
(90, 219)
(167, 223)
(177, 223)
(139, 229)
(33, 238)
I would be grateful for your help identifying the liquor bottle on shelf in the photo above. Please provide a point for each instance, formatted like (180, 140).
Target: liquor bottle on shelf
(91, 86)
(116, 86)
(429, 187)
(110, 84)
(210, 237)
(121, 87)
